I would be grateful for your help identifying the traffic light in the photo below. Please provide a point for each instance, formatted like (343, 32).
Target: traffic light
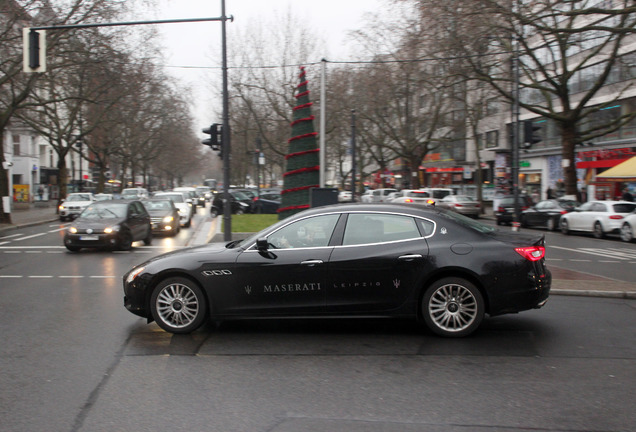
(34, 50)
(531, 134)
(215, 141)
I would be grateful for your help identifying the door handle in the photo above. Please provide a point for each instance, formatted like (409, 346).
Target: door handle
(409, 257)
(311, 263)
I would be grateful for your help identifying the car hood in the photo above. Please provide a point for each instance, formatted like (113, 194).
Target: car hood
(190, 253)
(160, 213)
(97, 223)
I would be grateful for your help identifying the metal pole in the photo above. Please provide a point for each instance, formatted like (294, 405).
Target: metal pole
(353, 155)
(227, 198)
(258, 170)
(323, 104)
(516, 141)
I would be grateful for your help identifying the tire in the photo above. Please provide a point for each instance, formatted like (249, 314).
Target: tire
(598, 230)
(453, 307)
(148, 239)
(62, 219)
(188, 224)
(565, 229)
(178, 305)
(214, 212)
(551, 224)
(125, 241)
(239, 212)
(627, 234)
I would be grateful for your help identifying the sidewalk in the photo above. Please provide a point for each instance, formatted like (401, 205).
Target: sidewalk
(564, 281)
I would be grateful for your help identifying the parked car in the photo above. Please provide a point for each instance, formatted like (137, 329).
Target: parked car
(109, 224)
(393, 261)
(266, 203)
(164, 215)
(437, 193)
(376, 195)
(240, 203)
(629, 227)
(598, 217)
(462, 204)
(136, 193)
(413, 196)
(181, 203)
(547, 213)
(74, 204)
(344, 196)
(505, 210)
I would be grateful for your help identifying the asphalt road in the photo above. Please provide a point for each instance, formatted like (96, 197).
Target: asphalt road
(73, 359)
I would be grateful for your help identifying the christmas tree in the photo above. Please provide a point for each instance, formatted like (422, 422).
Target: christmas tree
(303, 166)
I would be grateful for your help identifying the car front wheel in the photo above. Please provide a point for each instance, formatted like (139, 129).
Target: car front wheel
(453, 307)
(125, 241)
(627, 235)
(598, 231)
(178, 305)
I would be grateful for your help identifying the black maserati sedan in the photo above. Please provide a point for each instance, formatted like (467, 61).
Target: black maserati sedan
(349, 260)
(114, 224)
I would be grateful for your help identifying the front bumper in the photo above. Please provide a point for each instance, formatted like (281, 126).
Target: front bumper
(92, 240)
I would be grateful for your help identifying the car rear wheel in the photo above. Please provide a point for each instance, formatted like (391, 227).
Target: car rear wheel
(598, 231)
(148, 239)
(453, 307)
(178, 305)
(627, 235)
(565, 229)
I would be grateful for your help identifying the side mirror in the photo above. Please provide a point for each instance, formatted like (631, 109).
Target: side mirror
(261, 244)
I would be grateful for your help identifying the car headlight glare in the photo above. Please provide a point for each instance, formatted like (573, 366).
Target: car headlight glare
(168, 219)
(112, 229)
(72, 230)
(134, 273)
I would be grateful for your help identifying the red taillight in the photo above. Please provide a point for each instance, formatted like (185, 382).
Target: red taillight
(616, 217)
(408, 200)
(458, 205)
(531, 253)
(430, 202)
(500, 209)
(563, 212)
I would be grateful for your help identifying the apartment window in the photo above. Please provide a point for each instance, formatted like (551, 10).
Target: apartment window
(16, 145)
(492, 139)
(492, 106)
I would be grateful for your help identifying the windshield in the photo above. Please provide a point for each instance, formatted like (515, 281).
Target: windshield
(78, 197)
(177, 198)
(157, 205)
(105, 212)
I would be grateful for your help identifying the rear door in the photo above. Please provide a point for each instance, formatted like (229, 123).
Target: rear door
(379, 264)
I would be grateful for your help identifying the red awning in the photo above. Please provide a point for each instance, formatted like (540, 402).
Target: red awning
(607, 163)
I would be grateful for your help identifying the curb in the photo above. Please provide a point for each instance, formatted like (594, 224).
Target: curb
(593, 293)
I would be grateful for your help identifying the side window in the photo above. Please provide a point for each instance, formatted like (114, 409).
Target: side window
(587, 206)
(366, 228)
(310, 232)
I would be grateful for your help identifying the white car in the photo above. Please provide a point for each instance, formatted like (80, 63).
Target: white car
(598, 217)
(74, 204)
(629, 227)
(377, 195)
(437, 193)
(413, 196)
(344, 196)
(180, 201)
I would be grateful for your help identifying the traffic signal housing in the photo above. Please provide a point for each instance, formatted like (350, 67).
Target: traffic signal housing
(33, 50)
(215, 140)
(531, 134)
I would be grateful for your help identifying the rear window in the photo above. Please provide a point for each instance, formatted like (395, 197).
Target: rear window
(624, 208)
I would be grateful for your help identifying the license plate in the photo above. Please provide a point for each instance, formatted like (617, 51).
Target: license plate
(89, 238)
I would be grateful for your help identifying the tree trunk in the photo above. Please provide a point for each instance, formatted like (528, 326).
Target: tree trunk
(568, 136)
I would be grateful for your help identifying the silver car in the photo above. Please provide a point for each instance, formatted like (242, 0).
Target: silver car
(461, 204)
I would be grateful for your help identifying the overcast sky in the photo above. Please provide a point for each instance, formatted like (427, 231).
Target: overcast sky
(195, 44)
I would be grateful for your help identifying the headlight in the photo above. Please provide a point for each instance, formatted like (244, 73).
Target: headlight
(133, 274)
(112, 229)
(168, 219)
(72, 230)
(61, 207)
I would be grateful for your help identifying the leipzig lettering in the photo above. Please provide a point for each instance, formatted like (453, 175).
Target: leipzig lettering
(357, 284)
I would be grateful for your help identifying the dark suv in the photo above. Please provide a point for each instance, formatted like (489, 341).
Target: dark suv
(505, 210)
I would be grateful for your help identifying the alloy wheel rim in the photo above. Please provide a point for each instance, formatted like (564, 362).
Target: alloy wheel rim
(177, 305)
(452, 307)
(626, 233)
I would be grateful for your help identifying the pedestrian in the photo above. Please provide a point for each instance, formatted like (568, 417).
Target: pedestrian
(626, 195)
(40, 192)
(549, 193)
